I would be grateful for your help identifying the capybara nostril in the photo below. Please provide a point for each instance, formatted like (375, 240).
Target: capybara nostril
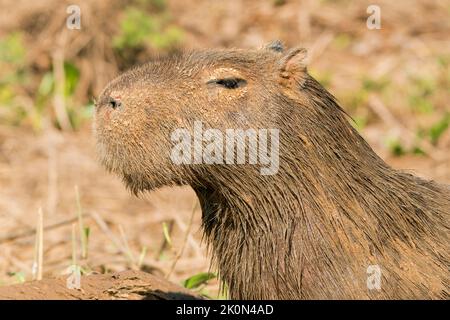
(114, 102)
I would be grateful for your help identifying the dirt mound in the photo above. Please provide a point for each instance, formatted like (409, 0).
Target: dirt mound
(129, 285)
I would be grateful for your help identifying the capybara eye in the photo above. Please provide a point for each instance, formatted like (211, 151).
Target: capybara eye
(230, 83)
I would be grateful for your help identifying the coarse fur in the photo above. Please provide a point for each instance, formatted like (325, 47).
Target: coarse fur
(312, 230)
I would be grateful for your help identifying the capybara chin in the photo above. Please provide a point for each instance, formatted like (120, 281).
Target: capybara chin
(334, 222)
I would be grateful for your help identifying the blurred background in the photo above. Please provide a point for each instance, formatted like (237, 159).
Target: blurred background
(393, 81)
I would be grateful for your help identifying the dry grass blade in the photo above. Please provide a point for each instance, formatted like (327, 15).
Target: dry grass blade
(107, 231)
(126, 246)
(74, 244)
(39, 248)
(59, 73)
(83, 231)
(167, 230)
(142, 257)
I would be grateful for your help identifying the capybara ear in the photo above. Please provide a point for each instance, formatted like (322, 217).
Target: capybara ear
(293, 67)
(276, 46)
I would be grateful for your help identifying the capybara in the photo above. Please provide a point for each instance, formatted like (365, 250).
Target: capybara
(333, 222)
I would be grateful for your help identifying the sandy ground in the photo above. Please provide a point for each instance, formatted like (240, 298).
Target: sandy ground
(127, 285)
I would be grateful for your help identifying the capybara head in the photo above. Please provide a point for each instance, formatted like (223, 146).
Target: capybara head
(137, 113)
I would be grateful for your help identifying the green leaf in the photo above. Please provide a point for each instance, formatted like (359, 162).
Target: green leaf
(47, 84)
(439, 128)
(87, 232)
(19, 276)
(375, 85)
(72, 75)
(139, 29)
(197, 280)
(395, 147)
(360, 122)
(12, 49)
(418, 151)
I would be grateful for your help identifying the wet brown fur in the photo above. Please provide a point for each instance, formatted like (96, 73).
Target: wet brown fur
(311, 230)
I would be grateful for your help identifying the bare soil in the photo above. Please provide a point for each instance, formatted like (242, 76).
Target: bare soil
(126, 285)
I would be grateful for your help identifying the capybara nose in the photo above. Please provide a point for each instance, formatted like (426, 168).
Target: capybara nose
(114, 102)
